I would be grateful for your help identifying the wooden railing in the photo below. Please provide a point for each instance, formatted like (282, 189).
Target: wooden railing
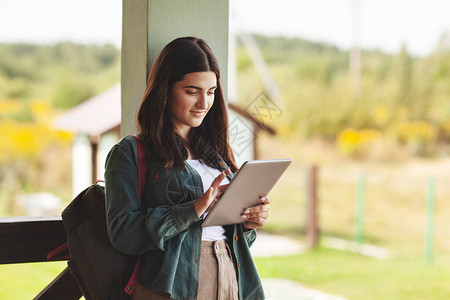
(30, 239)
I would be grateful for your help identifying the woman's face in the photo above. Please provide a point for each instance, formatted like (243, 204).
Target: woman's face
(190, 100)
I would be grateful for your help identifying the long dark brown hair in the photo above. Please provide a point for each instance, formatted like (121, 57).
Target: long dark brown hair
(178, 58)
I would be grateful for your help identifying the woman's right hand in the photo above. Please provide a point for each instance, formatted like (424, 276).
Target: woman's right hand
(203, 203)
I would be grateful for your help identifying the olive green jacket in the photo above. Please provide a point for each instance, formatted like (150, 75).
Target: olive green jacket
(164, 229)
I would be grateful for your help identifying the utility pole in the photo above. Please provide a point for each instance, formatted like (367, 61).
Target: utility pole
(355, 52)
(260, 65)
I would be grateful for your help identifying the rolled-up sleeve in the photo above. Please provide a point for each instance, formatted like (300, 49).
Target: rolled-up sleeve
(250, 236)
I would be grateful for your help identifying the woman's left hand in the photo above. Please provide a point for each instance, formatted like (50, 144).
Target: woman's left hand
(257, 216)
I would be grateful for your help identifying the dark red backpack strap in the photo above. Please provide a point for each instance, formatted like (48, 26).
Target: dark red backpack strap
(60, 253)
(142, 174)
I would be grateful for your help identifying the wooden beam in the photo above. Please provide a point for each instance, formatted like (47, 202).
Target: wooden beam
(63, 287)
(29, 239)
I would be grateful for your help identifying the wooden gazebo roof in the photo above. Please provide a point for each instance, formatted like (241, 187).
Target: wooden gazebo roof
(94, 116)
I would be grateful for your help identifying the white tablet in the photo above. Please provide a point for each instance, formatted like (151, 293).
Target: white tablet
(254, 180)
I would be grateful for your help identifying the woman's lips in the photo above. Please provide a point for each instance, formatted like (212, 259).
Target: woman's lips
(198, 113)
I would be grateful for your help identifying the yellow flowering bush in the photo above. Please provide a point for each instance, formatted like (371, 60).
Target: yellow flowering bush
(415, 132)
(418, 136)
(357, 143)
(27, 140)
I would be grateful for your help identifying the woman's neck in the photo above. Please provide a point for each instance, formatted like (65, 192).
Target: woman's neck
(184, 134)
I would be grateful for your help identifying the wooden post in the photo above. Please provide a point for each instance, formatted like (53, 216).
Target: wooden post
(255, 143)
(94, 140)
(312, 228)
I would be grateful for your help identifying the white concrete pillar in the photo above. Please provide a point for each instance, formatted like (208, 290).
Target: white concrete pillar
(148, 25)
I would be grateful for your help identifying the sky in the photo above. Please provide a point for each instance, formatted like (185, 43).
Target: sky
(49, 21)
(383, 24)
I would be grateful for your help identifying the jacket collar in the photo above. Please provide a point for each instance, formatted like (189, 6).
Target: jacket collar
(217, 161)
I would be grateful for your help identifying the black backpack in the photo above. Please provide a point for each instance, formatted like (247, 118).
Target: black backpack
(101, 271)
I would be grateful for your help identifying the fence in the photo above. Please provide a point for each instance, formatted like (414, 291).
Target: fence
(312, 210)
(30, 239)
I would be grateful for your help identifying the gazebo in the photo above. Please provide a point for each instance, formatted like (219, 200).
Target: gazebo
(96, 124)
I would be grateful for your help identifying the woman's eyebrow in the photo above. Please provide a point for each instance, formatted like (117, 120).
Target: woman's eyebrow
(192, 87)
(197, 88)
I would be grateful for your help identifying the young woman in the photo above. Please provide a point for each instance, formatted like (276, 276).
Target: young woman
(182, 121)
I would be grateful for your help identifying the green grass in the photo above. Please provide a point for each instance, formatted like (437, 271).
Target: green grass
(356, 277)
(25, 281)
(349, 275)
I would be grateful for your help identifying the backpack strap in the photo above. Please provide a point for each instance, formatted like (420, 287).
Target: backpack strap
(60, 253)
(142, 174)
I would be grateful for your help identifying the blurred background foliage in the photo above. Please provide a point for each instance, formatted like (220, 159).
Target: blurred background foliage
(404, 99)
(37, 83)
(65, 74)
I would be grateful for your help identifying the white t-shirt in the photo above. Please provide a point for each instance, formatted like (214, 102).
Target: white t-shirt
(208, 174)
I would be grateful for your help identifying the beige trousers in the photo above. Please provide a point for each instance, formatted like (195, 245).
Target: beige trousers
(217, 278)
